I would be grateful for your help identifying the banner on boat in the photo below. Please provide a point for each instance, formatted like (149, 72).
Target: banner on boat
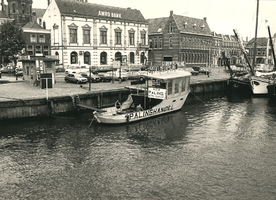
(157, 93)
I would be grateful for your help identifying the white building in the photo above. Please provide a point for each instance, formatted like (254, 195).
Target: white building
(94, 34)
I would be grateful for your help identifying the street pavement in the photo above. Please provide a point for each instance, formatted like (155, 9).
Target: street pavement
(22, 90)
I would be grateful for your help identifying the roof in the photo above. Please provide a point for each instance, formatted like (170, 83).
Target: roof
(33, 25)
(39, 12)
(192, 25)
(260, 42)
(165, 75)
(157, 25)
(184, 24)
(84, 9)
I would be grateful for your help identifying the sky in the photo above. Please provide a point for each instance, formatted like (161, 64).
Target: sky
(222, 15)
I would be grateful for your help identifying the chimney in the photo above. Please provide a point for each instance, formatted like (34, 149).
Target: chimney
(49, 1)
(171, 12)
(34, 18)
(44, 25)
(205, 19)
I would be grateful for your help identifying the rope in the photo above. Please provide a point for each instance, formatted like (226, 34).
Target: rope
(198, 98)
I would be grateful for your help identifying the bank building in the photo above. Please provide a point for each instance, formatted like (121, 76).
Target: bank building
(97, 35)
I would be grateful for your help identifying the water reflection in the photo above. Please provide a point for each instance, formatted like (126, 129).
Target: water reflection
(216, 149)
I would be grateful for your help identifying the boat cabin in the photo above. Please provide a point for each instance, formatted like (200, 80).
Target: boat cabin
(160, 86)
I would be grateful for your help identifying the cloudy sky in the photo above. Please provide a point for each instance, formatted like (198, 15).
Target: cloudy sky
(222, 15)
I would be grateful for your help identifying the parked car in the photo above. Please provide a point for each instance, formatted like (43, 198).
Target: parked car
(75, 78)
(115, 75)
(7, 69)
(137, 75)
(192, 71)
(74, 68)
(202, 70)
(94, 77)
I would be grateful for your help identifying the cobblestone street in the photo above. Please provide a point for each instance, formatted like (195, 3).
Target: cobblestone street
(20, 89)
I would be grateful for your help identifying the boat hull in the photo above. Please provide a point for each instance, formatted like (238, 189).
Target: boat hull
(271, 89)
(166, 106)
(259, 85)
(238, 85)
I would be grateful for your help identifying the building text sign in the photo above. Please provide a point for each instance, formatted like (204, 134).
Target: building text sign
(157, 93)
(109, 14)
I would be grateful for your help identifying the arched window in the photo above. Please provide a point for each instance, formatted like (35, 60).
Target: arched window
(118, 56)
(57, 55)
(74, 58)
(86, 58)
(131, 57)
(103, 58)
(142, 58)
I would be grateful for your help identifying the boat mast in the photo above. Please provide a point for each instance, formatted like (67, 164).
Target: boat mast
(244, 52)
(272, 48)
(256, 31)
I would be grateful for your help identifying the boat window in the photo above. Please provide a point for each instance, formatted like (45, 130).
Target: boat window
(169, 87)
(176, 88)
(183, 84)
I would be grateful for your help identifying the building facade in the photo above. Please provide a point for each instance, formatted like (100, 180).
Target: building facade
(263, 50)
(93, 34)
(180, 39)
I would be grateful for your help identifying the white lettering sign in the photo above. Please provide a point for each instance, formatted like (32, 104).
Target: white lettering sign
(157, 93)
(109, 14)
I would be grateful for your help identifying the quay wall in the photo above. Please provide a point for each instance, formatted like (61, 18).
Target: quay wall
(56, 105)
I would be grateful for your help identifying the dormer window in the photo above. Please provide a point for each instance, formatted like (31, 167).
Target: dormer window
(202, 27)
(159, 30)
(185, 24)
(194, 25)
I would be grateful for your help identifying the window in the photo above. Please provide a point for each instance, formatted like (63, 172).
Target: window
(160, 42)
(73, 35)
(131, 59)
(13, 8)
(86, 36)
(41, 38)
(131, 38)
(143, 38)
(176, 88)
(169, 87)
(57, 55)
(38, 49)
(23, 8)
(118, 37)
(86, 58)
(150, 43)
(103, 36)
(56, 35)
(30, 50)
(170, 41)
(74, 58)
(45, 50)
(155, 42)
(33, 38)
(103, 58)
(183, 85)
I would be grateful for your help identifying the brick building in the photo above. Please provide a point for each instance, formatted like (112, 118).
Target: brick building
(180, 39)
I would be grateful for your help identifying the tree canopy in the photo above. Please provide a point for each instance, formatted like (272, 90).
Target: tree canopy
(12, 42)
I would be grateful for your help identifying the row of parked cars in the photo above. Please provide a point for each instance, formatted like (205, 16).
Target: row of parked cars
(83, 77)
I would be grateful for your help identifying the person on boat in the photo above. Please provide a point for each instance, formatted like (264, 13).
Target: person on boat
(139, 108)
(118, 105)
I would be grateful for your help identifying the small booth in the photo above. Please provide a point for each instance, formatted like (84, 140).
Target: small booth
(35, 67)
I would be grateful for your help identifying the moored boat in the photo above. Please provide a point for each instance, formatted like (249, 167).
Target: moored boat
(163, 92)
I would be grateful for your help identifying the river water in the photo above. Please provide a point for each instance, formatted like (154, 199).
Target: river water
(223, 149)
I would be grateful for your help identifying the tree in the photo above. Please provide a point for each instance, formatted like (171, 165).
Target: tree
(12, 42)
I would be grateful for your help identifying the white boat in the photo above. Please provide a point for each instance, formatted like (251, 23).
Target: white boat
(260, 81)
(163, 92)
